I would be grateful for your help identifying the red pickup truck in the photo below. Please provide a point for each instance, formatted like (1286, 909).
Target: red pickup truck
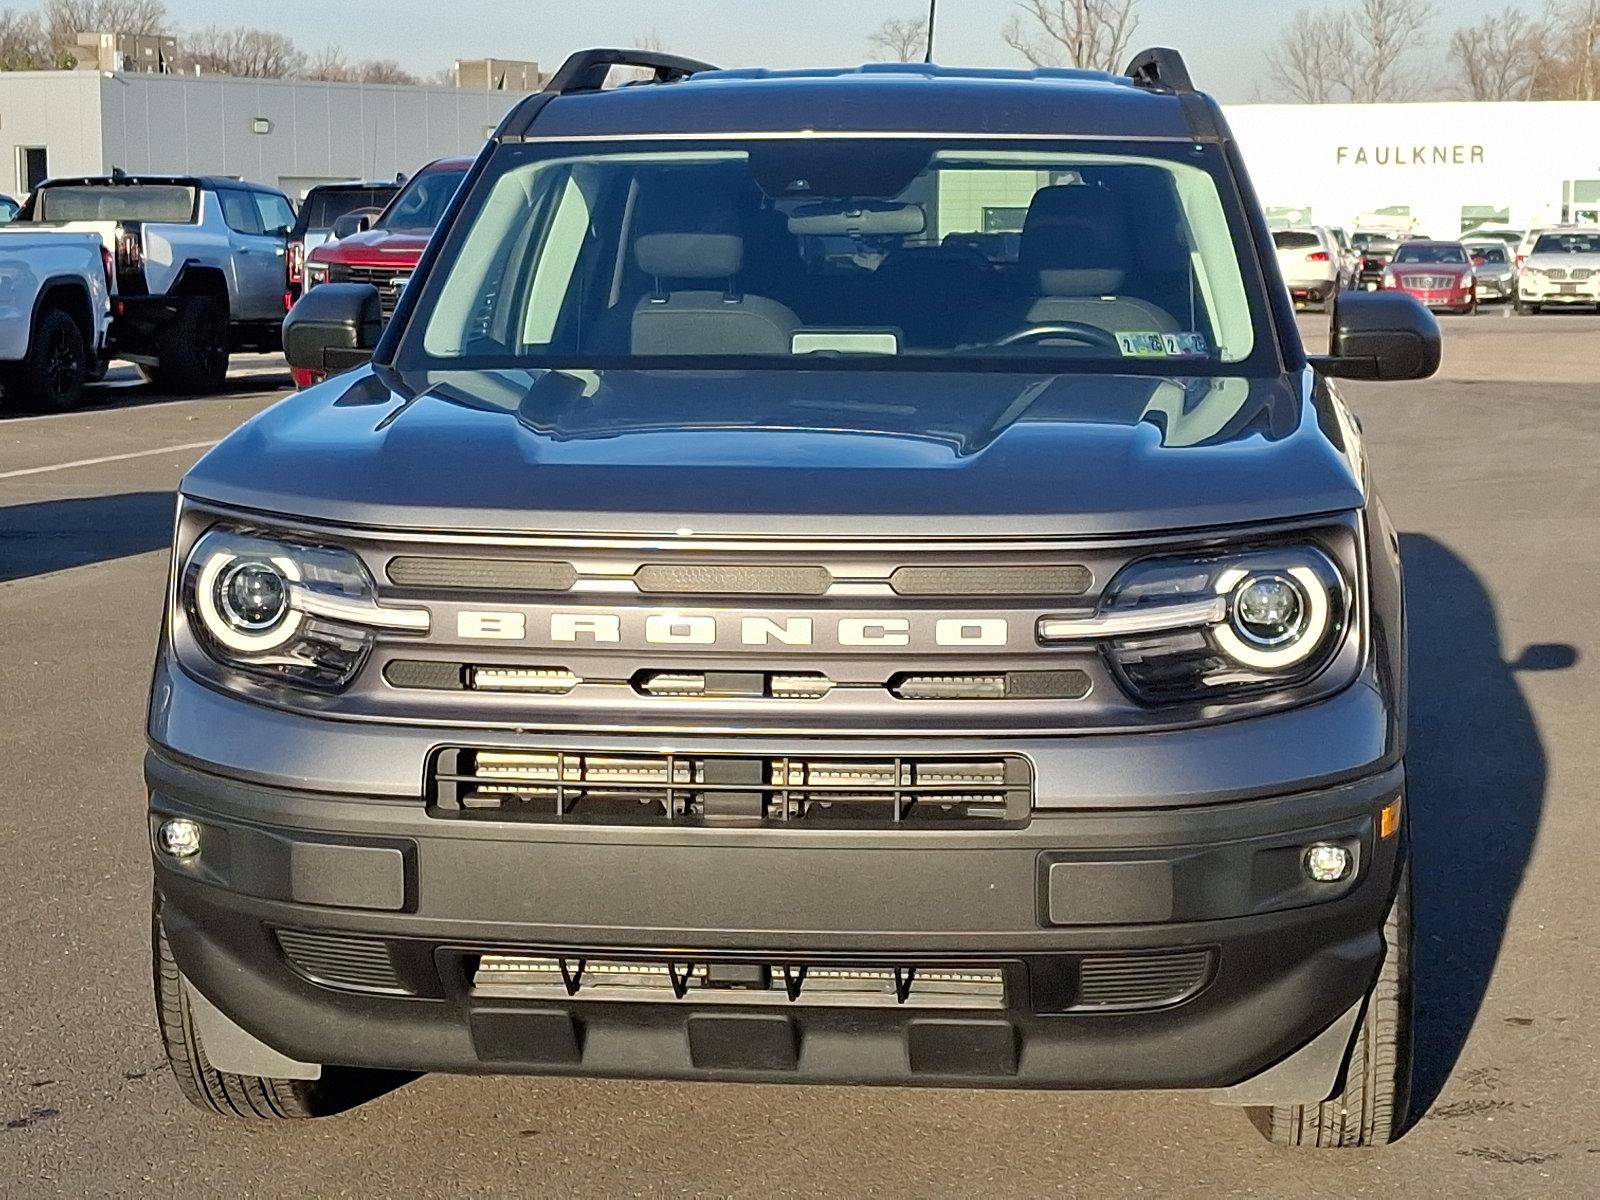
(385, 252)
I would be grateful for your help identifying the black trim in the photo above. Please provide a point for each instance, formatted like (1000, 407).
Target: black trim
(586, 70)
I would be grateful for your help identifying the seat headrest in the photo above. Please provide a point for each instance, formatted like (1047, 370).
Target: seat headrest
(690, 255)
(1076, 237)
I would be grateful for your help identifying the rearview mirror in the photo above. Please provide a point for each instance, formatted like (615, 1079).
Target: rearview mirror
(333, 327)
(356, 221)
(1380, 336)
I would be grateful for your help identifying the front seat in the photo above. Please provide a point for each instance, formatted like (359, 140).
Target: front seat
(1076, 258)
(694, 305)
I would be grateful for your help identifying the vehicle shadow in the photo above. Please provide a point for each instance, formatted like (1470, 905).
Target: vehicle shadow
(1476, 777)
(54, 535)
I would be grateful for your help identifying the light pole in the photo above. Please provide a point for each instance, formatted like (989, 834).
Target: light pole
(933, 12)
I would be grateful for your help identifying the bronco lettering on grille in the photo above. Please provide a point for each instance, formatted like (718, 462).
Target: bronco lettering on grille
(703, 629)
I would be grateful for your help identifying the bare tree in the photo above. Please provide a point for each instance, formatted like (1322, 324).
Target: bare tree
(328, 65)
(1502, 57)
(1578, 35)
(650, 39)
(1310, 61)
(251, 53)
(1365, 54)
(22, 42)
(385, 70)
(64, 20)
(1073, 33)
(900, 40)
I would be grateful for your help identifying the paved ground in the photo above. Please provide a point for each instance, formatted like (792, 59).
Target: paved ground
(1491, 472)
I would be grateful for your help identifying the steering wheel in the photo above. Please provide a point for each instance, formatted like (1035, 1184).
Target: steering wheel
(1079, 331)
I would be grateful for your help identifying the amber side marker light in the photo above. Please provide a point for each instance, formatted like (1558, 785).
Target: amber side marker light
(1389, 819)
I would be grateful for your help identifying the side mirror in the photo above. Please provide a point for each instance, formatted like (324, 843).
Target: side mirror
(333, 327)
(357, 221)
(1382, 336)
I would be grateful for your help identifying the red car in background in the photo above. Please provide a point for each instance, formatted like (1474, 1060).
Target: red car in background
(1437, 273)
(385, 253)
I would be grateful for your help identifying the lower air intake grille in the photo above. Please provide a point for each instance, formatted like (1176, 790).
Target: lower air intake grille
(1112, 983)
(538, 977)
(354, 964)
(605, 788)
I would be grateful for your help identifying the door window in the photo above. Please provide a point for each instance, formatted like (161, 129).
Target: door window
(277, 218)
(239, 212)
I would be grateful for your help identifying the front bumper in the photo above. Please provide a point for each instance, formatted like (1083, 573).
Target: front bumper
(1532, 290)
(1445, 298)
(387, 887)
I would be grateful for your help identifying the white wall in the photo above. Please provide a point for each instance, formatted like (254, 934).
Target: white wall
(1348, 159)
(181, 125)
(59, 110)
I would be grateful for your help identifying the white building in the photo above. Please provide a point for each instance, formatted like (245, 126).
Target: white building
(1432, 168)
(289, 133)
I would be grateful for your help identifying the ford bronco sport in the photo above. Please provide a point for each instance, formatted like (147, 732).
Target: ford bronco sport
(736, 628)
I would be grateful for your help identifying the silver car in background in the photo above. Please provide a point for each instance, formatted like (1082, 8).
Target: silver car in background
(1562, 268)
(1491, 268)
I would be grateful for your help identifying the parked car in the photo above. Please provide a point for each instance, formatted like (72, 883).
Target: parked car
(693, 646)
(320, 210)
(1437, 273)
(1495, 278)
(1312, 264)
(384, 250)
(1524, 247)
(1349, 256)
(199, 266)
(1375, 249)
(1562, 268)
(54, 310)
(8, 210)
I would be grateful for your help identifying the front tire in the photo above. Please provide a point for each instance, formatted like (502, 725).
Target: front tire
(222, 1093)
(50, 377)
(1371, 1107)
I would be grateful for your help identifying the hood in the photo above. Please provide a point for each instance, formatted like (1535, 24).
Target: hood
(388, 247)
(787, 453)
(1422, 268)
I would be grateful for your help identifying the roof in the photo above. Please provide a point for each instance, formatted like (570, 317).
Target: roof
(201, 181)
(878, 98)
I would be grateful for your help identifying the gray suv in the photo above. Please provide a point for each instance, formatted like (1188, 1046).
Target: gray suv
(726, 627)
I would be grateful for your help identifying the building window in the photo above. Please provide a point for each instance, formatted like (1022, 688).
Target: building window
(33, 167)
(1582, 201)
(1475, 215)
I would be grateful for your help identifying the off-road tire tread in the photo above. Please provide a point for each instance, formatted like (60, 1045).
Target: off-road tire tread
(178, 369)
(1371, 1109)
(249, 1097)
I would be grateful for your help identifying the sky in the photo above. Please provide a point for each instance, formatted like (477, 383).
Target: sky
(1224, 41)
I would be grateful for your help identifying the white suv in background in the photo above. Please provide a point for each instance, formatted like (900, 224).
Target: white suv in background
(1562, 267)
(1312, 264)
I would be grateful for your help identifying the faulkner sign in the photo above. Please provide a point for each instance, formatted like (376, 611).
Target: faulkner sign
(1446, 155)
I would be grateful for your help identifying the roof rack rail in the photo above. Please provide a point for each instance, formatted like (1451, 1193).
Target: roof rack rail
(1160, 68)
(586, 70)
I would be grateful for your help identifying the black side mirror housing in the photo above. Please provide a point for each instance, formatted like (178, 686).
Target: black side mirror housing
(333, 327)
(356, 221)
(1380, 336)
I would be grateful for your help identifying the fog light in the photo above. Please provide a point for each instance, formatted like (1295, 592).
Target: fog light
(179, 837)
(1327, 863)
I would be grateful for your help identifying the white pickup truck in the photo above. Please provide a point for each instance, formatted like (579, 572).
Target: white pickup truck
(198, 266)
(54, 312)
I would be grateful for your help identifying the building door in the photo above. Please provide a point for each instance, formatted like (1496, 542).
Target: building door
(33, 167)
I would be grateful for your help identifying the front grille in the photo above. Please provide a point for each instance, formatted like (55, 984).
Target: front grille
(353, 964)
(1580, 273)
(1428, 283)
(743, 982)
(603, 788)
(1557, 273)
(1113, 983)
(388, 280)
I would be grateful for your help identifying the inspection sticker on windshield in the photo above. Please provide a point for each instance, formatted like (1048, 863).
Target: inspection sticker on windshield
(1161, 345)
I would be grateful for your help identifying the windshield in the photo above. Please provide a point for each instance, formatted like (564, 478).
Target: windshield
(1410, 253)
(1568, 243)
(1291, 239)
(791, 251)
(160, 202)
(326, 205)
(1494, 255)
(421, 203)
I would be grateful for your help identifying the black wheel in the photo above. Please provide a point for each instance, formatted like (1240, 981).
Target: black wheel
(1370, 1109)
(192, 351)
(97, 369)
(51, 377)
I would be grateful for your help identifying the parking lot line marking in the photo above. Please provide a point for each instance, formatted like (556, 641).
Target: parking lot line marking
(108, 458)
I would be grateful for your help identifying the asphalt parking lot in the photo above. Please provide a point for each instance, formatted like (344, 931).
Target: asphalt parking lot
(1492, 473)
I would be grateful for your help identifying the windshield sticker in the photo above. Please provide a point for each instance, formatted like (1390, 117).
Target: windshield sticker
(1162, 345)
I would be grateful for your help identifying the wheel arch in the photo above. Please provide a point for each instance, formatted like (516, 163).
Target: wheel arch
(68, 294)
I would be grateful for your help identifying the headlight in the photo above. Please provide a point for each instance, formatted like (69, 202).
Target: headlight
(315, 272)
(283, 610)
(1179, 630)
